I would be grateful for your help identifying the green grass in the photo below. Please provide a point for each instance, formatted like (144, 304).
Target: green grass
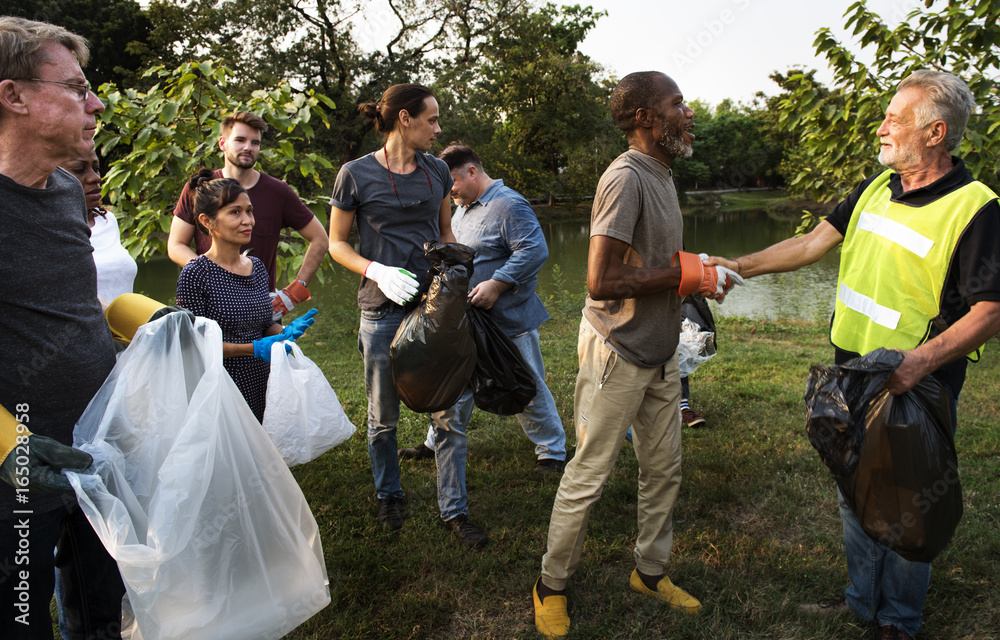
(756, 526)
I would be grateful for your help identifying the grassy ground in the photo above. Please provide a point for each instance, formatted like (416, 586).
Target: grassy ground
(756, 527)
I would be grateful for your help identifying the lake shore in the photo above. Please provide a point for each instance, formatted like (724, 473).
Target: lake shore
(774, 201)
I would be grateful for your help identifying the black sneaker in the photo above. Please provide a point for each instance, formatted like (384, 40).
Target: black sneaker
(470, 536)
(421, 452)
(391, 513)
(549, 465)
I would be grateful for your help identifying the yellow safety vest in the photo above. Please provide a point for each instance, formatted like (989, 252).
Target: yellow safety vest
(893, 265)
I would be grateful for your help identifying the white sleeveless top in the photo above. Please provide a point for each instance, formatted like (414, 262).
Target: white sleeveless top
(115, 267)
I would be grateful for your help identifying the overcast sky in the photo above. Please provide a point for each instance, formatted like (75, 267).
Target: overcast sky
(718, 49)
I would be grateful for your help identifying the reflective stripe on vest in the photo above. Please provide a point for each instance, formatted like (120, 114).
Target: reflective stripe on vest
(893, 265)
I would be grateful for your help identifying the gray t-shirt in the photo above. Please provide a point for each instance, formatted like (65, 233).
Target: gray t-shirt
(393, 225)
(636, 202)
(55, 344)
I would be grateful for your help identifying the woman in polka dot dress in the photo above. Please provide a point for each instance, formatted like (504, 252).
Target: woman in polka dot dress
(231, 288)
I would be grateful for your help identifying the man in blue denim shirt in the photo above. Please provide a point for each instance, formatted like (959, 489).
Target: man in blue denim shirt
(501, 226)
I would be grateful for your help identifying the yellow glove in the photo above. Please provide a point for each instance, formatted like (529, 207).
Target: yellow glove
(12, 433)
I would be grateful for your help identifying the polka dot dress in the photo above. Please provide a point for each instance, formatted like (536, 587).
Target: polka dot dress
(242, 307)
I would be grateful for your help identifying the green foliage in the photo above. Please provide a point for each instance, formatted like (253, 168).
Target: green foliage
(836, 127)
(733, 149)
(116, 30)
(533, 106)
(173, 129)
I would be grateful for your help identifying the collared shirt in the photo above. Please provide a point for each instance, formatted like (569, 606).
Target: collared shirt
(510, 247)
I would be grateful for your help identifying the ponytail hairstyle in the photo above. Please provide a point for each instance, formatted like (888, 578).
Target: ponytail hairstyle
(396, 98)
(209, 194)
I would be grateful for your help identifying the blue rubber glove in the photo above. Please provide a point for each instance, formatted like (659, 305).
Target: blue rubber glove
(298, 326)
(262, 347)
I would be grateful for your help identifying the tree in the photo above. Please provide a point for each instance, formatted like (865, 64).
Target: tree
(733, 149)
(543, 88)
(172, 129)
(836, 126)
(116, 30)
(314, 44)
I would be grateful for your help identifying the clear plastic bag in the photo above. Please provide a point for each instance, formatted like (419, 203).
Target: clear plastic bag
(212, 535)
(695, 348)
(303, 416)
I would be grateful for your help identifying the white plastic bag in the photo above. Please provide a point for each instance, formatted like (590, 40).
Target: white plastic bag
(303, 416)
(695, 347)
(212, 535)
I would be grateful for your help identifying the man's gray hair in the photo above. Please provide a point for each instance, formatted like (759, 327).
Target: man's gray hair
(22, 46)
(949, 99)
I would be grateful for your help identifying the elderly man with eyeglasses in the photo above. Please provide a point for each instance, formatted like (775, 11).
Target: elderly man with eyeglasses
(54, 341)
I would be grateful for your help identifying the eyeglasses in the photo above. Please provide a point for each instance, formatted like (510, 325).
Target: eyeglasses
(82, 90)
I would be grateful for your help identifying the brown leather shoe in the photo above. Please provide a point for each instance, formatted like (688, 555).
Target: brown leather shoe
(691, 418)
(888, 632)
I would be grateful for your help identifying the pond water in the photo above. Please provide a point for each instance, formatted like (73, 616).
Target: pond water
(805, 294)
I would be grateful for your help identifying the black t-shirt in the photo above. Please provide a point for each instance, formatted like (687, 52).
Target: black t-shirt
(55, 344)
(974, 271)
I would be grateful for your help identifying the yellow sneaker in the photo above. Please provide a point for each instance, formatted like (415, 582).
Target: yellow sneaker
(551, 618)
(674, 596)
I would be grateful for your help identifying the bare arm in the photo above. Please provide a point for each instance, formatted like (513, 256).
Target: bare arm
(787, 255)
(340, 249)
(444, 221)
(961, 338)
(179, 242)
(609, 278)
(319, 243)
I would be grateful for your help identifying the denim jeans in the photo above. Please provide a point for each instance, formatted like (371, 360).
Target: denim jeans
(885, 587)
(540, 419)
(375, 334)
(93, 588)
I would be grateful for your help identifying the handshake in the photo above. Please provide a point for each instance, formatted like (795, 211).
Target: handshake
(706, 276)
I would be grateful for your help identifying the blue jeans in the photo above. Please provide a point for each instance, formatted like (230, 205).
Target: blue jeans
(375, 334)
(540, 419)
(93, 588)
(885, 587)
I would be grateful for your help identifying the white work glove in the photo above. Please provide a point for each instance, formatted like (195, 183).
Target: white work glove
(724, 277)
(398, 284)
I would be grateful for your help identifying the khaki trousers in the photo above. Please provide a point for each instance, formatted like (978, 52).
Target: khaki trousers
(613, 394)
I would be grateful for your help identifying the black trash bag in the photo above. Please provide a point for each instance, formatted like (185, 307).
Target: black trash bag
(906, 489)
(433, 354)
(502, 383)
(837, 398)
(904, 486)
(695, 308)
